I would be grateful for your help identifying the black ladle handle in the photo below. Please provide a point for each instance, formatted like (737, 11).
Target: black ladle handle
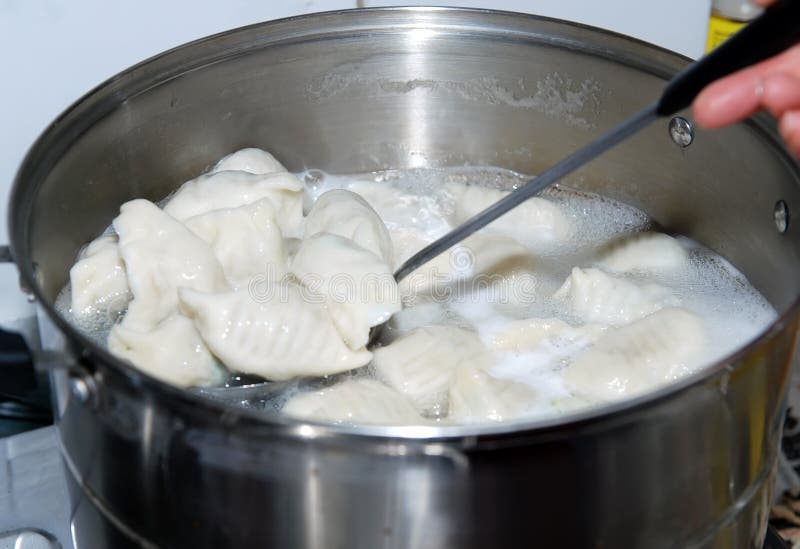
(775, 30)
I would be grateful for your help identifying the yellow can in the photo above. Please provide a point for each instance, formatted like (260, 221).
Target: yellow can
(719, 29)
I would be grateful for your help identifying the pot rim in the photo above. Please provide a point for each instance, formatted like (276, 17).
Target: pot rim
(314, 429)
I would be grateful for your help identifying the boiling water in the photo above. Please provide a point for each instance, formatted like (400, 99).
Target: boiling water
(420, 204)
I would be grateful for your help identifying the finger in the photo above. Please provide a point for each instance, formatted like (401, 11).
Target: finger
(729, 100)
(738, 96)
(789, 128)
(765, 3)
(781, 93)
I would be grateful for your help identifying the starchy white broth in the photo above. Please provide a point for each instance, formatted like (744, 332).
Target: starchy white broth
(570, 301)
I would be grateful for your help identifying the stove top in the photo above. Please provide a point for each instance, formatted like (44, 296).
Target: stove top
(34, 503)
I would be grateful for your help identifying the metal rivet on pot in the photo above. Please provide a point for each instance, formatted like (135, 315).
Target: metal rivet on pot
(681, 131)
(781, 216)
(82, 389)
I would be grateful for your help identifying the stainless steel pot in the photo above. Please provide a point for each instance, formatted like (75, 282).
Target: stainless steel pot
(688, 466)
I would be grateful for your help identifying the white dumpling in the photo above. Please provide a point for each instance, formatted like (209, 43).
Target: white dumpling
(436, 277)
(422, 314)
(537, 219)
(172, 352)
(358, 286)
(98, 280)
(401, 208)
(498, 255)
(346, 214)
(406, 242)
(232, 189)
(161, 254)
(522, 336)
(249, 160)
(641, 356)
(420, 365)
(361, 401)
(478, 254)
(647, 252)
(477, 396)
(246, 241)
(503, 270)
(595, 296)
(488, 262)
(277, 335)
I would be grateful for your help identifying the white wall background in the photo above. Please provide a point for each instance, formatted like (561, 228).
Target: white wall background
(53, 51)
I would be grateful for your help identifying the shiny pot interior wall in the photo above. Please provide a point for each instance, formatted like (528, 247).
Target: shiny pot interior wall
(394, 90)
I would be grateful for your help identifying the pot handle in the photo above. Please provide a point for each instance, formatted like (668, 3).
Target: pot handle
(19, 364)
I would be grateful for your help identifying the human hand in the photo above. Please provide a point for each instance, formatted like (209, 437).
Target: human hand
(773, 85)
